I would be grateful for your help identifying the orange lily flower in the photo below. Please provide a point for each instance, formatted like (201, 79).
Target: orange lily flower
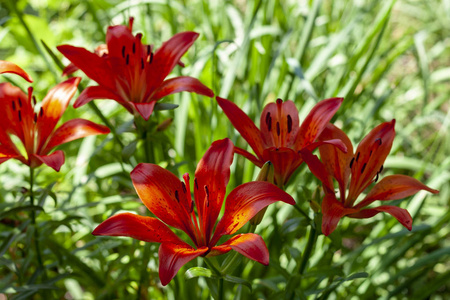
(171, 202)
(280, 138)
(35, 127)
(130, 73)
(357, 172)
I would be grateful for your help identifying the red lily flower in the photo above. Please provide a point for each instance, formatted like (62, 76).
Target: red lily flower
(36, 127)
(280, 138)
(130, 73)
(358, 171)
(170, 201)
(9, 67)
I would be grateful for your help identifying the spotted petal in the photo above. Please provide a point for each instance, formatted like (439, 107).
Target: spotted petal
(145, 229)
(316, 121)
(244, 202)
(53, 106)
(401, 214)
(163, 195)
(249, 244)
(211, 176)
(72, 130)
(174, 256)
(394, 187)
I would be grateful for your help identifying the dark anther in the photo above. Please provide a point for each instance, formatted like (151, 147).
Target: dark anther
(134, 48)
(20, 117)
(364, 166)
(196, 184)
(151, 58)
(139, 36)
(206, 191)
(376, 178)
(35, 117)
(14, 105)
(370, 153)
(357, 157)
(127, 59)
(184, 187)
(268, 121)
(289, 123)
(176, 196)
(379, 141)
(191, 208)
(41, 112)
(20, 102)
(279, 101)
(123, 51)
(142, 63)
(278, 129)
(148, 50)
(34, 100)
(351, 162)
(381, 169)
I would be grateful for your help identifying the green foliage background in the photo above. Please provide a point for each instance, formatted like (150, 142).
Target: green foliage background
(388, 59)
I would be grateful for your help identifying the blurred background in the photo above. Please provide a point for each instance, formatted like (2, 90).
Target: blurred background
(388, 59)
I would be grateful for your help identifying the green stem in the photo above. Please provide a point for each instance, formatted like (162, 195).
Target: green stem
(99, 113)
(221, 289)
(33, 221)
(308, 249)
(143, 274)
(297, 207)
(211, 265)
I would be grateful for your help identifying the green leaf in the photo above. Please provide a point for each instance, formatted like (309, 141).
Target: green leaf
(238, 280)
(165, 106)
(198, 272)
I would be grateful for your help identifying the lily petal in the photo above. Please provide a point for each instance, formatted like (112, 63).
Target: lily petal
(173, 256)
(212, 176)
(243, 124)
(9, 67)
(54, 160)
(169, 54)
(279, 124)
(316, 121)
(285, 161)
(336, 162)
(90, 63)
(249, 156)
(158, 190)
(181, 84)
(251, 246)
(333, 211)
(370, 156)
(318, 169)
(96, 92)
(6, 153)
(69, 69)
(72, 130)
(119, 38)
(144, 109)
(244, 202)
(394, 187)
(401, 214)
(142, 228)
(53, 106)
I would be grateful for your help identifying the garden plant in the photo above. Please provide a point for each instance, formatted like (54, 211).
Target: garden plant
(199, 149)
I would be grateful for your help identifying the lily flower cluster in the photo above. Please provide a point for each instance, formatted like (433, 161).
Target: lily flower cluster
(134, 74)
(35, 125)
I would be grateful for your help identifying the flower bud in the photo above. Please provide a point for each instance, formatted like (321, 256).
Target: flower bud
(266, 174)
